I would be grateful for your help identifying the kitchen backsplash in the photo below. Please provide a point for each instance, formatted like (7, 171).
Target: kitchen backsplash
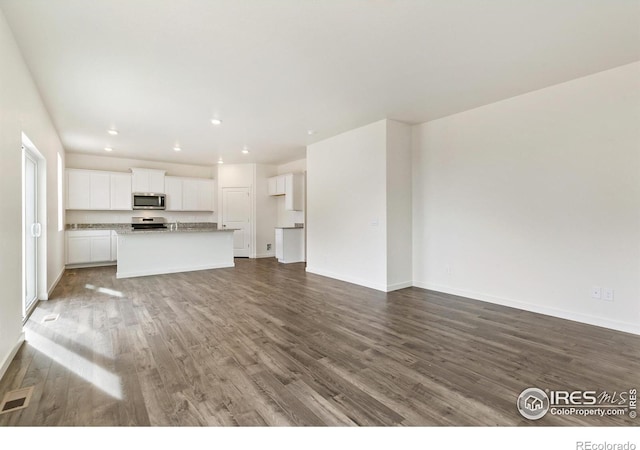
(90, 217)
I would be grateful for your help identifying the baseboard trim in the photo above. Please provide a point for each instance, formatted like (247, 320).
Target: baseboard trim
(11, 355)
(397, 286)
(54, 284)
(88, 265)
(266, 255)
(554, 312)
(144, 273)
(348, 279)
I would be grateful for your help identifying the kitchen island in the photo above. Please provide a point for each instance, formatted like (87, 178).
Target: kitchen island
(154, 252)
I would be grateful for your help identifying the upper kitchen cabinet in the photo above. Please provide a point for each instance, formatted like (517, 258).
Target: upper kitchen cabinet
(277, 185)
(98, 190)
(120, 191)
(189, 194)
(173, 192)
(148, 180)
(291, 185)
(294, 192)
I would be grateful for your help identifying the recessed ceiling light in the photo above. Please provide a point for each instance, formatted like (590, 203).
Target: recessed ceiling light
(112, 132)
(220, 161)
(310, 132)
(245, 149)
(176, 149)
(216, 121)
(108, 149)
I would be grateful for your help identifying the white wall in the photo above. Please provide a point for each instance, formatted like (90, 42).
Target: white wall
(290, 218)
(399, 224)
(266, 212)
(22, 110)
(533, 200)
(236, 175)
(346, 197)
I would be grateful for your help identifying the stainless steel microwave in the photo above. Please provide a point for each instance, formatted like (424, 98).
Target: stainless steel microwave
(147, 200)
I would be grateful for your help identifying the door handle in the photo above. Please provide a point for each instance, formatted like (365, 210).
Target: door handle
(36, 230)
(224, 226)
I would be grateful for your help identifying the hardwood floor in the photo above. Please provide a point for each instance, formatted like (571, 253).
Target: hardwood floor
(268, 344)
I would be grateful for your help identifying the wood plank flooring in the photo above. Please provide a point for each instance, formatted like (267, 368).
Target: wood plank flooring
(268, 344)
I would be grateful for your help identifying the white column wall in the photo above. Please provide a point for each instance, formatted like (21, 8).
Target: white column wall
(346, 197)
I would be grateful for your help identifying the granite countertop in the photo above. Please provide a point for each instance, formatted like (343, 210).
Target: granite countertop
(125, 228)
(181, 229)
(97, 226)
(296, 226)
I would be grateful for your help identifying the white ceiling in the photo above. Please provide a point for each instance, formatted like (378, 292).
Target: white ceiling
(159, 70)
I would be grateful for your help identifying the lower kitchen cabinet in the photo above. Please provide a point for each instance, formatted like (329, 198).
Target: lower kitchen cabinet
(114, 246)
(91, 246)
(290, 245)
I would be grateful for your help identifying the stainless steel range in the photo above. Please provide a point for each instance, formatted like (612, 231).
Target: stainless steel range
(148, 223)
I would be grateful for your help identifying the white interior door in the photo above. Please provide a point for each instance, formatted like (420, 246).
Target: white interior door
(236, 214)
(31, 231)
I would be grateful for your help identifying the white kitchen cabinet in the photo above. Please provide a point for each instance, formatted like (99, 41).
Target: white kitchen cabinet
(294, 192)
(98, 190)
(173, 192)
(205, 194)
(272, 185)
(78, 189)
(120, 188)
(114, 246)
(290, 245)
(189, 194)
(147, 180)
(89, 189)
(78, 249)
(277, 185)
(89, 246)
(291, 185)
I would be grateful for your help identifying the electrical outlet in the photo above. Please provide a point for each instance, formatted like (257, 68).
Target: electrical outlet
(268, 247)
(448, 270)
(608, 294)
(596, 292)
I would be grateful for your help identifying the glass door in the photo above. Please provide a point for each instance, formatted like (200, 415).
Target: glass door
(31, 231)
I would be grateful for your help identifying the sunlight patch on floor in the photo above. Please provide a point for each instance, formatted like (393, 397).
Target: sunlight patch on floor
(78, 330)
(103, 290)
(101, 378)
